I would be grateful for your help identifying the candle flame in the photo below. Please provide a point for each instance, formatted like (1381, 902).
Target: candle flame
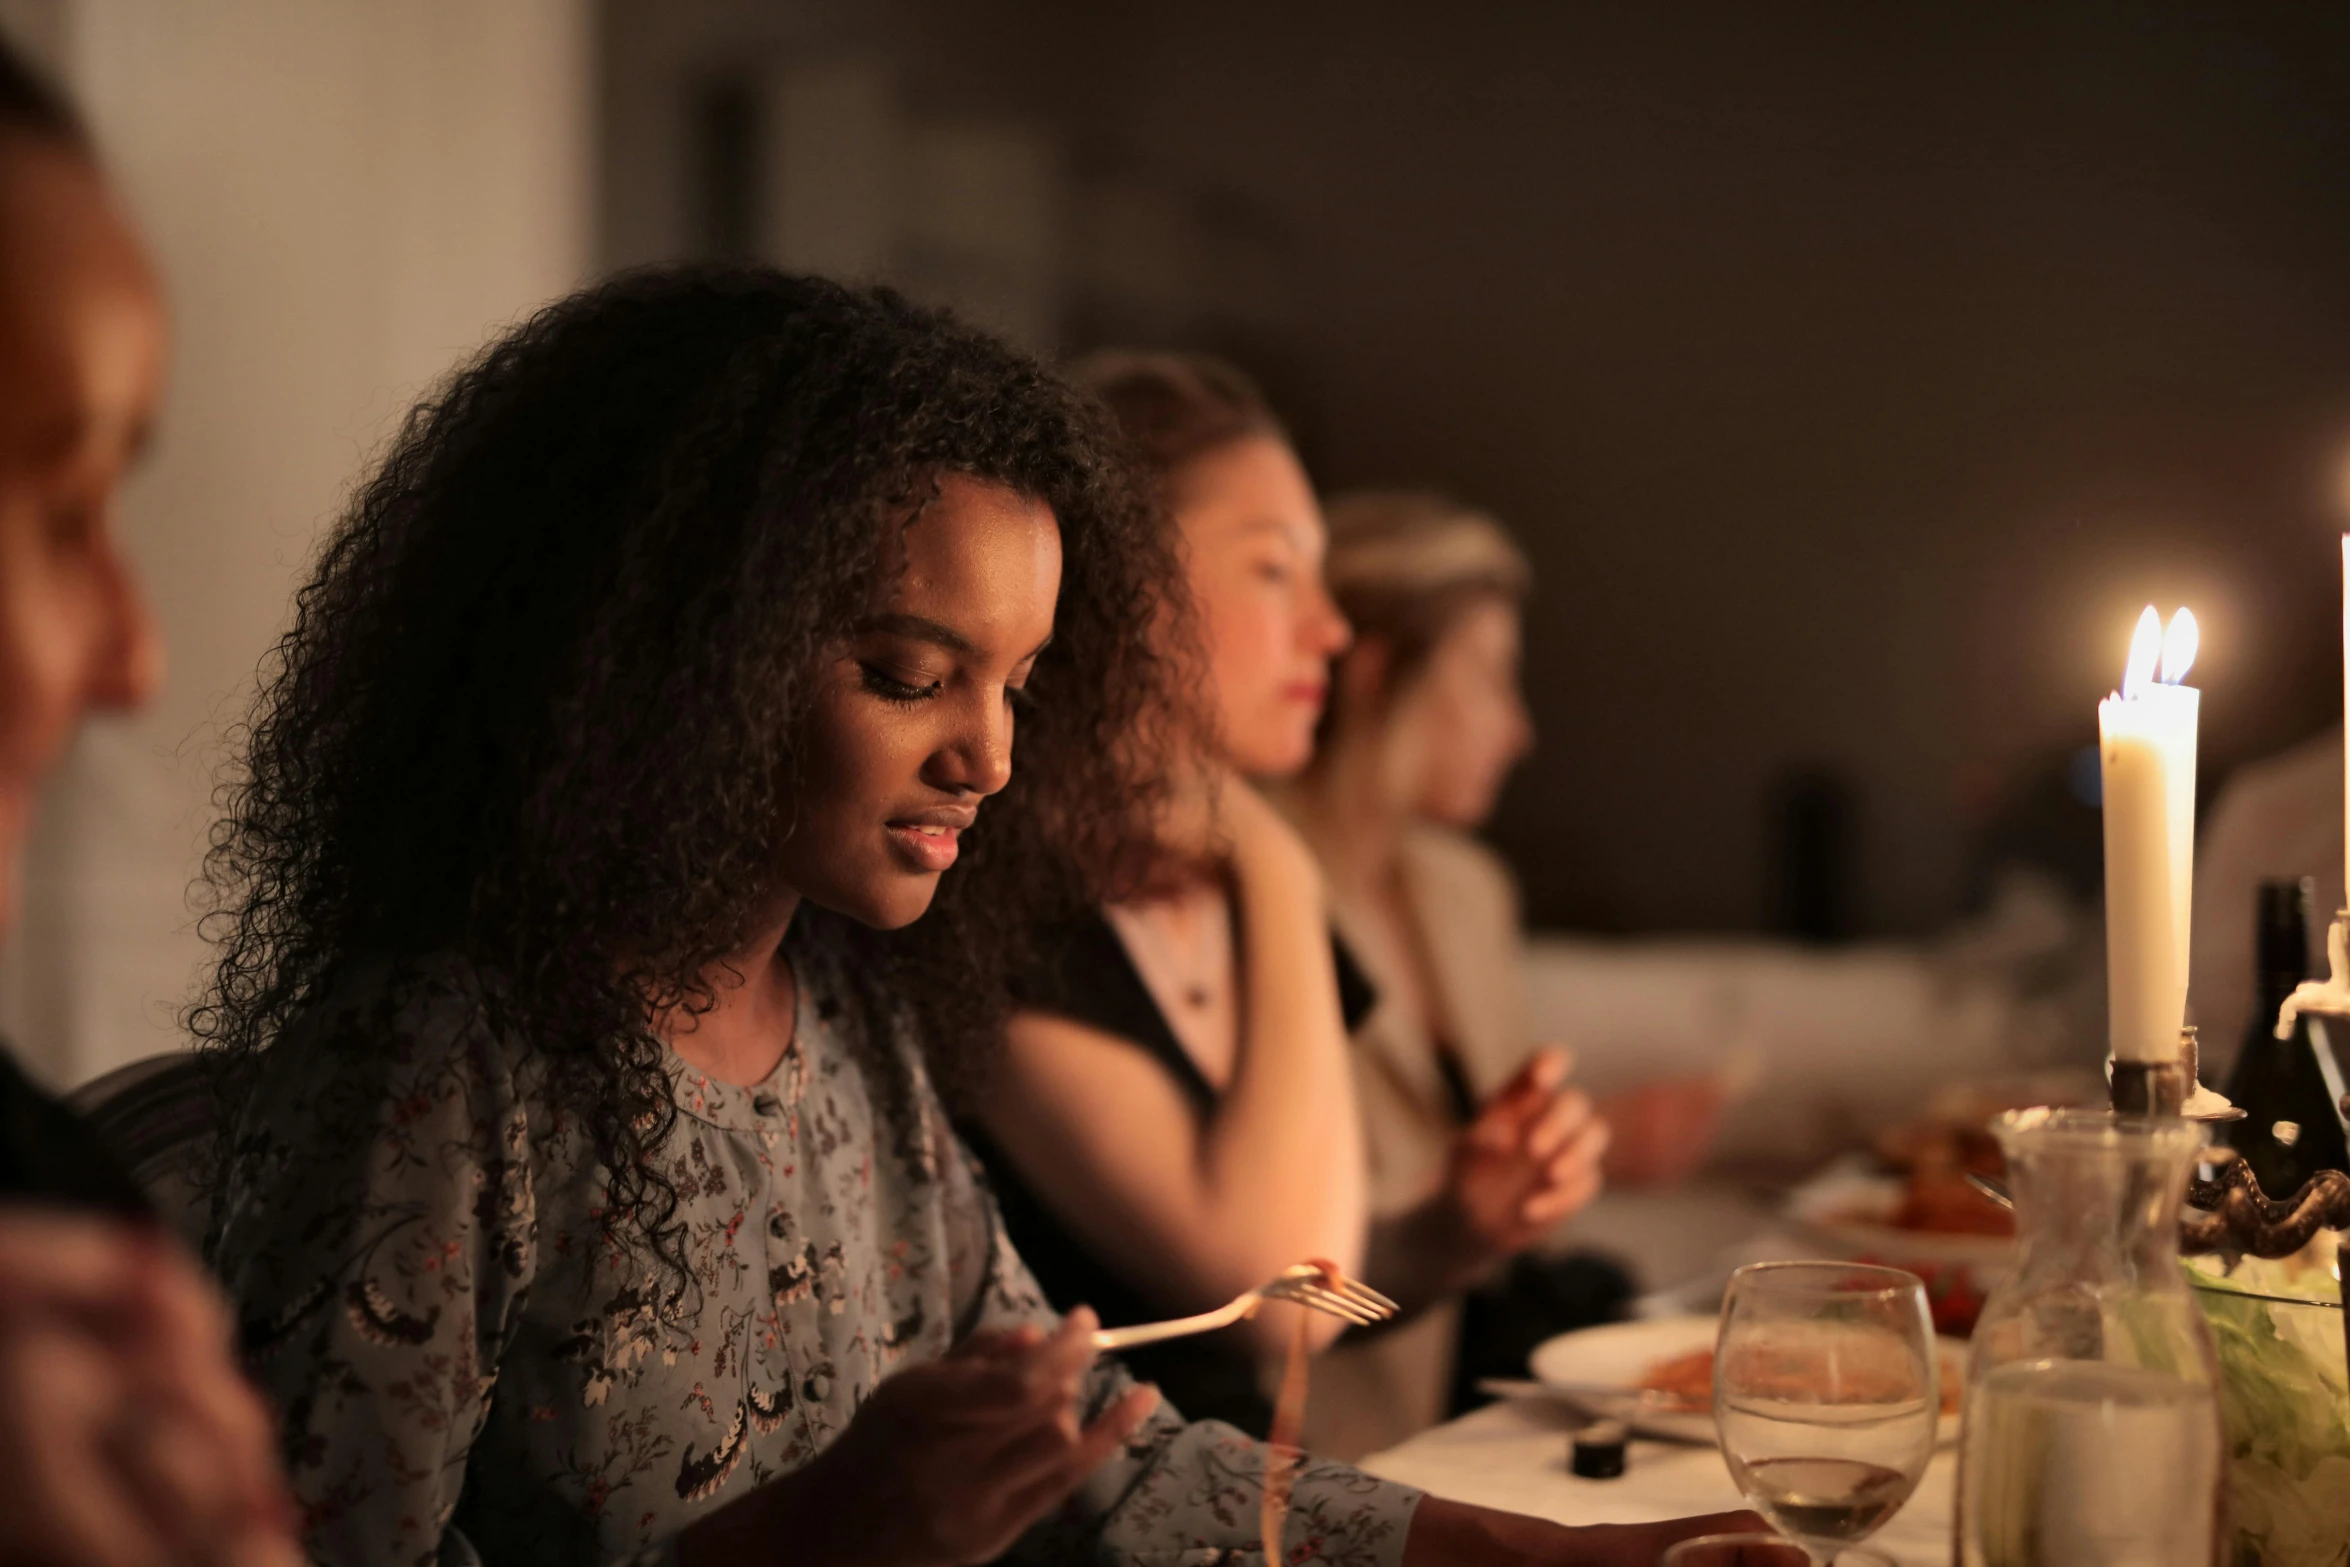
(2178, 646)
(2145, 651)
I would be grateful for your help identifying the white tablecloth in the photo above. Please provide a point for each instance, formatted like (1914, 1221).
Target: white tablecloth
(1514, 1456)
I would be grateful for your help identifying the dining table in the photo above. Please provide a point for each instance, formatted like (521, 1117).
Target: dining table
(1513, 1455)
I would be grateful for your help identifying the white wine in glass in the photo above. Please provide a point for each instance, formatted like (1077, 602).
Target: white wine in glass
(1827, 1396)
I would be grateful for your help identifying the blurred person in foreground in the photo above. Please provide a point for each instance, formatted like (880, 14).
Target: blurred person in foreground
(629, 838)
(1426, 719)
(127, 1439)
(1176, 1122)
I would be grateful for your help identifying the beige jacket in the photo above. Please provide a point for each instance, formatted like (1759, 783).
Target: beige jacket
(1371, 1395)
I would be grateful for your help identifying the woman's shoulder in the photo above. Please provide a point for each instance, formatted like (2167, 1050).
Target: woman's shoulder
(429, 999)
(1083, 972)
(392, 1093)
(1454, 868)
(386, 1029)
(1085, 975)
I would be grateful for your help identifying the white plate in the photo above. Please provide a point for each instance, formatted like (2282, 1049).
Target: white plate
(1618, 1353)
(1849, 1208)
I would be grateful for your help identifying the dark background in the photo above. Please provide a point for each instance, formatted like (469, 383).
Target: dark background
(1852, 374)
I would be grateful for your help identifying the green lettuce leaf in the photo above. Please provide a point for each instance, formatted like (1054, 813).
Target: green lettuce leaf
(2285, 1395)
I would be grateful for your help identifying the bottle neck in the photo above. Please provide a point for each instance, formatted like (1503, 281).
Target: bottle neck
(2280, 943)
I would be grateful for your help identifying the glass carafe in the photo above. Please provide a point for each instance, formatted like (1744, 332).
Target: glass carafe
(2092, 1433)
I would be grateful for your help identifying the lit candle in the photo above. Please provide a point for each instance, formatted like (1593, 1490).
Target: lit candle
(2146, 735)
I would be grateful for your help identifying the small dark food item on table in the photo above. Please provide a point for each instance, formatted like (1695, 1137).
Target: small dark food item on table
(1597, 1451)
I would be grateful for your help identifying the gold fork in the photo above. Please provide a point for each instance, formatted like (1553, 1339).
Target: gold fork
(1305, 1284)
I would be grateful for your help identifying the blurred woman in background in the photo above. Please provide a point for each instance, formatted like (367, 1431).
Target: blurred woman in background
(1177, 1121)
(1426, 720)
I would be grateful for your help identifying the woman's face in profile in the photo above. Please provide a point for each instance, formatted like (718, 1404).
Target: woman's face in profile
(912, 728)
(1253, 542)
(81, 369)
(1467, 716)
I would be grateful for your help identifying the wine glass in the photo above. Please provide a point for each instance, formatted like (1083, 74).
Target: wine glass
(1827, 1396)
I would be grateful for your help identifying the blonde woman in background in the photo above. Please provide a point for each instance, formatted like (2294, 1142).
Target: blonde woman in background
(1425, 722)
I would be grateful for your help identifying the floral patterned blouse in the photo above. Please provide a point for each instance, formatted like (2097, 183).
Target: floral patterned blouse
(469, 1371)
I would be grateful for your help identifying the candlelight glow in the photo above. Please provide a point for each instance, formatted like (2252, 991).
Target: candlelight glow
(2178, 646)
(2146, 769)
(2145, 652)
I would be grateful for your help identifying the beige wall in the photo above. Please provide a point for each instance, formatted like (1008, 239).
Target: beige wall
(346, 197)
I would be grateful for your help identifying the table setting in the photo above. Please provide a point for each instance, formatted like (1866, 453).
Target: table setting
(2045, 1323)
(1520, 1453)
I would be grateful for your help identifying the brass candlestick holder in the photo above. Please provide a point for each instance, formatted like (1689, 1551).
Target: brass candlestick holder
(2229, 1215)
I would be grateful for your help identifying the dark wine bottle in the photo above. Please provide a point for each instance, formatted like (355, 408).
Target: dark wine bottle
(2289, 1089)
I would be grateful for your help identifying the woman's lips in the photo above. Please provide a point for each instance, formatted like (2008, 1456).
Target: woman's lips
(929, 840)
(1310, 692)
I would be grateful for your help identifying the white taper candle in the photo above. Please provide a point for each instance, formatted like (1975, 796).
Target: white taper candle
(2146, 747)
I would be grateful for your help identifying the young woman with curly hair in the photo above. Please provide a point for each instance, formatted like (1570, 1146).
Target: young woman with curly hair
(588, 1196)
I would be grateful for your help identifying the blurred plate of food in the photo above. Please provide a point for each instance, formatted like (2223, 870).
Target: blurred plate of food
(1908, 1202)
(1674, 1357)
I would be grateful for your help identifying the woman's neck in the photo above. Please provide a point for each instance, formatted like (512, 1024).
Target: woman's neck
(1187, 848)
(1353, 812)
(742, 1038)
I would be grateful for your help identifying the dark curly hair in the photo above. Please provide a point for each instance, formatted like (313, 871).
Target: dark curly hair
(543, 699)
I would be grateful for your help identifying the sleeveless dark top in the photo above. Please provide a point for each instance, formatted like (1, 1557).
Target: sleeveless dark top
(1088, 977)
(49, 1156)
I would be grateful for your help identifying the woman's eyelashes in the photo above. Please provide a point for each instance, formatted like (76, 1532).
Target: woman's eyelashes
(1284, 562)
(905, 685)
(889, 687)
